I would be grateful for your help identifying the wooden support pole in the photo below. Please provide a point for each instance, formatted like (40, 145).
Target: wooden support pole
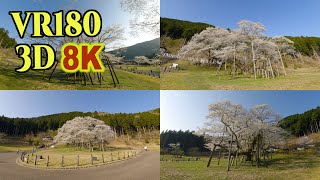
(35, 160)
(62, 161)
(47, 164)
(102, 156)
(111, 157)
(78, 160)
(90, 78)
(91, 159)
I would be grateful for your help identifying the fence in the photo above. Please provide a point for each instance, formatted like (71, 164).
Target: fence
(74, 161)
(143, 72)
(169, 69)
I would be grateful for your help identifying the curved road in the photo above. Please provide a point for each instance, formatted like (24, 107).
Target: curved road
(147, 166)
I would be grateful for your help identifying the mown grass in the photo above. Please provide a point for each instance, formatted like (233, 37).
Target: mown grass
(298, 165)
(11, 80)
(193, 77)
(71, 155)
(13, 148)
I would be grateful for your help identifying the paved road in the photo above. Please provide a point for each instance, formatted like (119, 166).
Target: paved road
(146, 167)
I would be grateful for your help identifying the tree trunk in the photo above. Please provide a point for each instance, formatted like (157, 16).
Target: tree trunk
(284, 69)
(237, 154)
(253, 60)
(271, 68)
(219, 156)
(211, 155)
(229, 155)
(234, 60)
(258, 156)
(53, 70)
(102, 145)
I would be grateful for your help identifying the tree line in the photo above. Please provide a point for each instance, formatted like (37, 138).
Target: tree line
(189, 142)
(121, 123)
(302, 124)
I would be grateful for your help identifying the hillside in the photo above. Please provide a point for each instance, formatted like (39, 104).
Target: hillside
(122, 123)
(5, 40)
(174, 33)
(306, 45)
(302, 124)
(177, 29)
(148, 49)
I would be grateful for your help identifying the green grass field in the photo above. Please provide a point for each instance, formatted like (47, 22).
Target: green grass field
(193, 77)
(10, 80)
(13, 148)
(295, 166)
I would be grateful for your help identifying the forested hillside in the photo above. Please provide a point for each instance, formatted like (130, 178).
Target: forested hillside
(177, 29)
(306, 45)
(122, 123)
(5, 40)
(302, 124)
(149, 49)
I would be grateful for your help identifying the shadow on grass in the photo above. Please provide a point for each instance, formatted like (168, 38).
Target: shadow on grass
(294, 161)
(58, 78)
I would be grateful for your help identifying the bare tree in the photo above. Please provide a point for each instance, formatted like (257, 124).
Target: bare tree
(146, 15)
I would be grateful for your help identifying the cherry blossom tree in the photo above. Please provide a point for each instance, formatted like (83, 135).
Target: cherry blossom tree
(244, 50)
(85, 132)
(238, 130)
(142, 60)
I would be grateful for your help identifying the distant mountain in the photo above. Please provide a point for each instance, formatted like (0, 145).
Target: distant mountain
(148, 49)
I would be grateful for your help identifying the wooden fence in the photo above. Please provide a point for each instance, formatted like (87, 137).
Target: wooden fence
(64, 161)
(135, 70)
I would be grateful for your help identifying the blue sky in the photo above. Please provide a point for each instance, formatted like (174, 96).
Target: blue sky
(110, 10)
(281, 17)
(187, 110)
(35, 103)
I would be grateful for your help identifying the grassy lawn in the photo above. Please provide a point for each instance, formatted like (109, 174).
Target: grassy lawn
(10, 80)
(193, 77)
(71, 154)
(282, 167)
(13, 148)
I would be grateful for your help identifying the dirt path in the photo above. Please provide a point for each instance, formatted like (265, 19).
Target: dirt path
(146, 167)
